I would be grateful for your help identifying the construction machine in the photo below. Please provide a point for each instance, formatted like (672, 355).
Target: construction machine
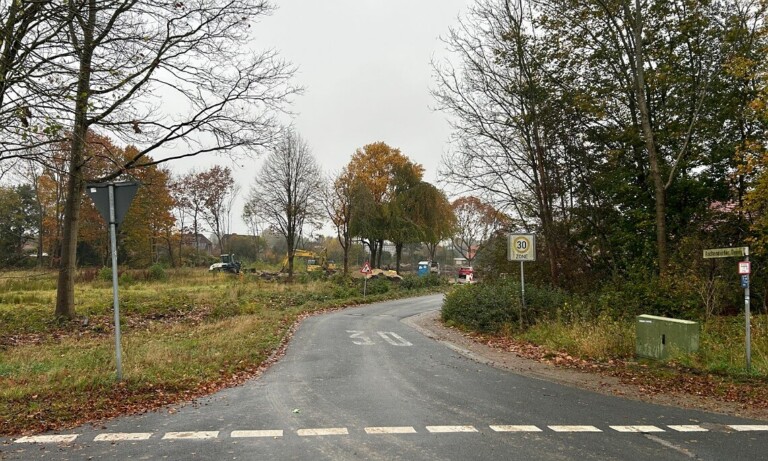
(227, 264)
(315, 261)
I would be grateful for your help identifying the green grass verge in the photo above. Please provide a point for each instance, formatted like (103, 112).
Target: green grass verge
(186, 336)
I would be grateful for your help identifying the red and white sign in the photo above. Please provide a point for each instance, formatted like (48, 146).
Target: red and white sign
(745, 267)
(366, 268)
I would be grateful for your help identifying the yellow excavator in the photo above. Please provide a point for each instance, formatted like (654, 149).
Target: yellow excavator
(315, 261)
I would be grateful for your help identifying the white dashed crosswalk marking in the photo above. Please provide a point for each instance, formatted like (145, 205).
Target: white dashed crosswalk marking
(263, 433)
(450, 429)
(324, 431)
(506, 428)
(574, 428)
(199, 435)
(380, 430)
(638, 429)
(63, 438)
(748, 427)
(122, 436)
(687, 428)
(390, 430)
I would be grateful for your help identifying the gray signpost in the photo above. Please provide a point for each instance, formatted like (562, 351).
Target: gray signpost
(112, 200)
(744, 270)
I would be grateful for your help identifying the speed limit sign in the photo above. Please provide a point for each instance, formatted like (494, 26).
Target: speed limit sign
(521, 247)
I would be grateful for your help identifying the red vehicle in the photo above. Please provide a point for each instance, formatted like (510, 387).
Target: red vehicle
(466, 275)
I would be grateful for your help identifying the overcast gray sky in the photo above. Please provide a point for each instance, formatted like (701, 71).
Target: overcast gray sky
(365, 67)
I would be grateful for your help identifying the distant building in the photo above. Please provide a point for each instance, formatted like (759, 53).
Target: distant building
(197, 241)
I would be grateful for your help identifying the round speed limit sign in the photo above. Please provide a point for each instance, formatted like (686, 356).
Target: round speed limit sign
(522, 247)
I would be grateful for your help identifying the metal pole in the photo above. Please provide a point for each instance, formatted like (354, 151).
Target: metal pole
(115, 303)
(747, 318)
(522, 292)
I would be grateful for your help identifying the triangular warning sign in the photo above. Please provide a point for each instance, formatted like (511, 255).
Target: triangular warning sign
(366, 268)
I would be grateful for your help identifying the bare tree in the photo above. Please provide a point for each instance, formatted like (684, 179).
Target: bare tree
(338, 200)
(286, 191)
(220, 190)
(177, 77)
(476, 222)
(506, 120)
(29, 38)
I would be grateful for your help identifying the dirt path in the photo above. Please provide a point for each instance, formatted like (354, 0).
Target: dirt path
(430, 325)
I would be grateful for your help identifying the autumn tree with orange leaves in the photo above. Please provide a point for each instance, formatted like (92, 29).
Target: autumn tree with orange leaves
(375, 167)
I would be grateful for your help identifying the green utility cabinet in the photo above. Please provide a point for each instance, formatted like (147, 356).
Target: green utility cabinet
(657, 337)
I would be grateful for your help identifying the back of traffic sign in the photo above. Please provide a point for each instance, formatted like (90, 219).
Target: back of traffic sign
(124, 193)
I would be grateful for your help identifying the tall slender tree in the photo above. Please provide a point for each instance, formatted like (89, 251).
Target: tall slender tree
(286, 191)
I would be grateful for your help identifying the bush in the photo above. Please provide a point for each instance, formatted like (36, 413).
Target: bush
(126, 278)
(413, 282)
(105, 273)
(495, 306)
(377, 286)
(156, 272)
(644, 293)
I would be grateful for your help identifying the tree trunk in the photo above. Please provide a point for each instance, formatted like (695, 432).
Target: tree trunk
(380, 251)
(650, 144)
(65, 293)
(398, 255)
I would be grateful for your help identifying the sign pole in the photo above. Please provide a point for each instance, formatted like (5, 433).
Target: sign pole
(115, 302)
(744, 271)
(522, 293)
(747, 317)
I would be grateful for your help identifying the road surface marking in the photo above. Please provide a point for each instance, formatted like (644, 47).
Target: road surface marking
(574, 428)
(275, 433)
(748, 427)
(447, 429)
(362, 339)
(668, 444)
(200, 435)
(505, 428)
(117, 436)
(390, 430)
(68, 438)
(640, 429)
(687, 428)
(393, 338)
(326, 431)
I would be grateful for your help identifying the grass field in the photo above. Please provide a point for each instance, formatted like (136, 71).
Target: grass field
(187, 335)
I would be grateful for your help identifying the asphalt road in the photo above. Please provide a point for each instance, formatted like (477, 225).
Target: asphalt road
(362, 384)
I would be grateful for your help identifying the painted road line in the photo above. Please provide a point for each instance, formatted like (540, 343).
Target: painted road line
(324, 431)
(199, 435)
(119, 436)
(506, 428)
(574, 428)
(637, 429)
(64, 438)
(687, 428)
(390, 430)
(393, 338)
(249, 434)
(748, 427)
(449, 429)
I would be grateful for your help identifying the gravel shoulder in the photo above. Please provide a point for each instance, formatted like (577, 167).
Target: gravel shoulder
(430, 325)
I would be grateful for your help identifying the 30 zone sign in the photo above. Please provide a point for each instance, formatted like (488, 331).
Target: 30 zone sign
(522, 247)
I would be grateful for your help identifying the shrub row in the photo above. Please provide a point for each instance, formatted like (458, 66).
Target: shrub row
(494, 306)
